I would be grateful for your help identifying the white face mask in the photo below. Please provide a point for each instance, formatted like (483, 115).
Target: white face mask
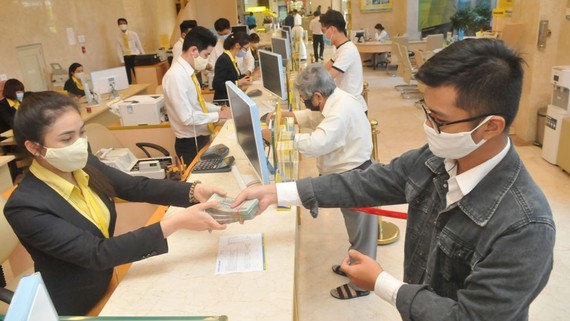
(69, 158)
(200, 63)
(79, 75)
(452, 146)
(123, 27)
(19, 95)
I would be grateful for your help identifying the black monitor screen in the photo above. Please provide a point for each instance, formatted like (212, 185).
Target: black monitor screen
(272, 73)
(236, 29)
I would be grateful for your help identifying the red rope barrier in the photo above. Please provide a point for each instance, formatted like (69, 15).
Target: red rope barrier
(381, 212)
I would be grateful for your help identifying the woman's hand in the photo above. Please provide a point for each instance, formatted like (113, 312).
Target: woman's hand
(191, 218)
(244, 82)
(203, 192)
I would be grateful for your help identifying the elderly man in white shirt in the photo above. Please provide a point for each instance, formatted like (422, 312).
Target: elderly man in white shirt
(191, 118)
(128, 47)
(185, 27)
(341, 141)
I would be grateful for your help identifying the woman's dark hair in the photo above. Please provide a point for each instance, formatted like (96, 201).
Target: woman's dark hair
(232, 39)
(200, 38)
(379, 26)
(11, 87)
(254, 38)
(36, 116)
(335, 19)
(486, 74)
(73, 68)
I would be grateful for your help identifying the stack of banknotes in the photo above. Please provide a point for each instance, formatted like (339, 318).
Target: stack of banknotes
(224, 214)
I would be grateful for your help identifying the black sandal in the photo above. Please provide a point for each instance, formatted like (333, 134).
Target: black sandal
(340, 295)
(336, 269)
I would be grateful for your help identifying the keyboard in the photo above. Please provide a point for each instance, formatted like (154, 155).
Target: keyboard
(215, 165)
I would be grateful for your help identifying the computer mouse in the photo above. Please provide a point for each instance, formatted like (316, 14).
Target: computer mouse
(254, 93)
(216, 151)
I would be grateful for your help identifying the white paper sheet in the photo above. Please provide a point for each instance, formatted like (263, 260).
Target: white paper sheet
(241, 253)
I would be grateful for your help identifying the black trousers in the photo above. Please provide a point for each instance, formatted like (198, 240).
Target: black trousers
(186, 147)
(130, 66)
(318, 41)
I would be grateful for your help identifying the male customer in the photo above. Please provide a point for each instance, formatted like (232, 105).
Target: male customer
(185, 27)
(480, 233)
(315, 27)
(128, 47)
(191, 118)
(341, 141)
(345, 65)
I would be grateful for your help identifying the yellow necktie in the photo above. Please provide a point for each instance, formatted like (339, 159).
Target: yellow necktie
(127, 48)
(201, 100)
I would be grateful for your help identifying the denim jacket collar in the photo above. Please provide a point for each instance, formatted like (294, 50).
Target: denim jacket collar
(480, 205)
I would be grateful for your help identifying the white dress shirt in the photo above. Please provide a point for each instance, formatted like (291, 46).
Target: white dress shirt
(216, 52)
(185, 114)
(246, 63)
(347, 62)
(315, 26)
(381, 36)
(340, 139)
(177, 48)
(135, 46)
(387, 286)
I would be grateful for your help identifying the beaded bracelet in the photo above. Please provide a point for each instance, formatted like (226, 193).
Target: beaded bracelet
(191, 197)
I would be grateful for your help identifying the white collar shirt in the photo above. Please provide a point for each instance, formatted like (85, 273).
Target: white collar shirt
(216, 52)
(340, 139)
(135, 46)
(347, 62)
(185, 114)
(462, 184)
(298, 20)
(315, 26)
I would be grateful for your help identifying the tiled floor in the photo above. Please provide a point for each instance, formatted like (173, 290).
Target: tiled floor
(323, 241)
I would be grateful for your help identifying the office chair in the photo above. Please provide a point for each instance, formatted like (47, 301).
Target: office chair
(9, 242)
(408, 74)
(101, 137)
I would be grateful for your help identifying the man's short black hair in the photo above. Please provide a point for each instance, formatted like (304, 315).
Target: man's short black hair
(199, 37)
(123, 20)
(316, 13)
(335, 19)
(486, 74)
(187, 25)
(222, 24)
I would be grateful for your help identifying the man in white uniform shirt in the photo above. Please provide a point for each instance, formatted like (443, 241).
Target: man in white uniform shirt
(316, 27)
(128, 47)
(298, 20)
(346, 65)
(341, 142)
(191, 118)
(185, 27)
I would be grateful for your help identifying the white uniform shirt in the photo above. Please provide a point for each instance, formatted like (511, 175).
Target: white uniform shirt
(246, 63)
(177, 48)
(315, 26)
(346, 60)
(381, 36)
(135, 46)
(216, 52)
(341, 138)
(298, 20)
(182, 105)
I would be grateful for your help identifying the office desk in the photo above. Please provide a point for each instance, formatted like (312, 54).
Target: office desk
(151, 75)
(378, 47)
(102, 114)
(182, 282)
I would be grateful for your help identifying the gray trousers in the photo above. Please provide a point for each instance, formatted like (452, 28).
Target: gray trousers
(362, 232)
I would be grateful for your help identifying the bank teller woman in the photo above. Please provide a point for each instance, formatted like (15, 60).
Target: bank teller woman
(13, 95)
(73, 85)
(235, 45)
(63, 210)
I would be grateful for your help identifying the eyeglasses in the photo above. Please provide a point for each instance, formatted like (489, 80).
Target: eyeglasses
(437, 125)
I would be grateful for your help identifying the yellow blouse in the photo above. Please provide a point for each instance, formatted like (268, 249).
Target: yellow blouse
(81, 197)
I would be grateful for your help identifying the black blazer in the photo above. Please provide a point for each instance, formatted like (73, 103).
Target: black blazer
(75, 259)
(7, 113)
(225, 70)
(72, 89)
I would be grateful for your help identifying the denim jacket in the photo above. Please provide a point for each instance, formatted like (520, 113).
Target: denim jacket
(485, 257)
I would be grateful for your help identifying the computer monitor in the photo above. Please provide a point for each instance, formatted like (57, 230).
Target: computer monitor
(286, 34)
(283, 47)
(248, 130)
(359, 36)
(236, 29)
(104, 81)
(271, 65)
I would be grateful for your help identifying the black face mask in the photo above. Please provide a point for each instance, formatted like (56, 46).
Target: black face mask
(309, 104)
